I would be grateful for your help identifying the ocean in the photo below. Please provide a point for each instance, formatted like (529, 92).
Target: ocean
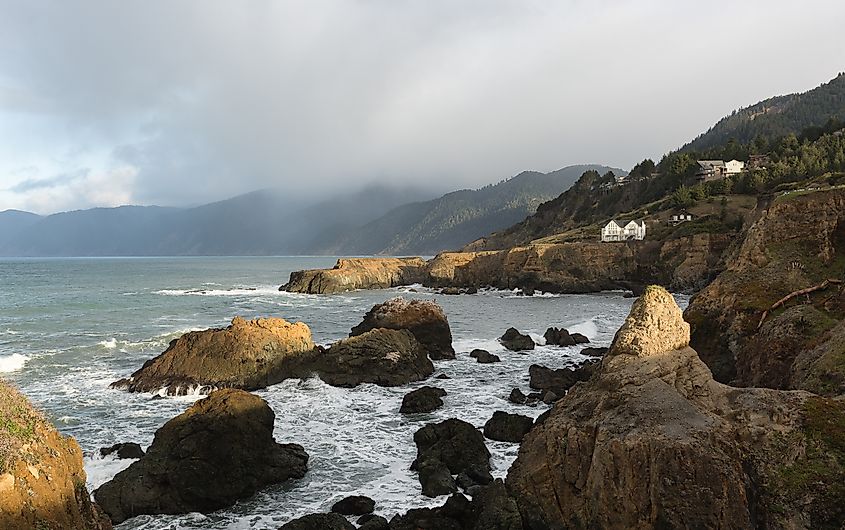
(71, 326)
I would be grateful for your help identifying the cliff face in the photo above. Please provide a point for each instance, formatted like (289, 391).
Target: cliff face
(652, 441)
(42, 481)
(796, 243)
(682, 264)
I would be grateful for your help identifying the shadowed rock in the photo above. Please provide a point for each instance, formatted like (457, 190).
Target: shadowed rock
(218, 451)
(558, 381)
(247, 354)
(425, 399)
(123, 450)
(484, 356)
(354, 505)
(516, 341)
(505, 427)
(319, 521)
(453, 445)
(424, 318)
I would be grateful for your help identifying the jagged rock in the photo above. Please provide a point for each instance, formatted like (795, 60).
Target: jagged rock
(436, 479)
(42, 479)
(491, 508)
(594, 352)
(218, 451)
(123, 450)
(558, 337)
(424, 318)
(455, 445)
(517, 396)
(386, 357)
(247, 354)
(373, 522)
(425, 399)
(451, 291)
(354, 505)
(442, 376)
(557, 381)
(350, 274)
(516, 341)
(717, 457)
(484, 356)
(504, 427)
(319, 521)
(579, 338)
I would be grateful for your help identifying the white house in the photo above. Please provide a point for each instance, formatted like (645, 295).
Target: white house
(718, 169)
(623, 230)
(734, 167)
(679, 218)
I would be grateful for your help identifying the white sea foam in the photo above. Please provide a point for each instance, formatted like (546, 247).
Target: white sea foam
(108, 344)
(13, 362)
(587, 328)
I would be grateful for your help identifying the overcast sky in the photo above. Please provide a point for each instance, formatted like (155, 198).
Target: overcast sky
(179, 102)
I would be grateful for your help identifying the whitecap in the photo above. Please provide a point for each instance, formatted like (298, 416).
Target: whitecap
(587, 328)
(13, 362)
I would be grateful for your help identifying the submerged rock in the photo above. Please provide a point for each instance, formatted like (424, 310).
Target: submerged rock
(424, 318)
(516, 341)
(128, 450)
(505, 427)
(386, 357)
(42, 479)
(594, 352)
(558, 337)
(717, 457)
(218, 451)
(373, 522)
(425, 399)
(454, 446)
(319, 521)
(248, 354)
(484, 356)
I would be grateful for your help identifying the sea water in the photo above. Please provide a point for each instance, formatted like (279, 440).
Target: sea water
(69, 327)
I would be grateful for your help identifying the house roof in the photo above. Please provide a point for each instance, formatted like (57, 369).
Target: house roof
(711, 163)
(622, 223)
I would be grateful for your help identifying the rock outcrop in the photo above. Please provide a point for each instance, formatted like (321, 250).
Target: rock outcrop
(354, 505)
(218, 451)
(424, 318)
(319, 521)
(129, 450)
(484, 356)
(425, 399)
(451, 447)
(386, 357)
(350, 274)
(796, 243)
(562, 337)
(557, 382)
(652, 441)
(504, 427)
(491, 508)
(248, 354)
(42, 480)
(513, 340)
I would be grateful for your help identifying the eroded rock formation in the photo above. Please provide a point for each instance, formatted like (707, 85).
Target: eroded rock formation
(357, 273)
(424, 318)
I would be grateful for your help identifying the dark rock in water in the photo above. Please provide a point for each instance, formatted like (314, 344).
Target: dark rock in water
(425, 399)
(471, 290)
(594, 352)
(424, 318)
(516, 341)
(319, 521)
(558, 337)
(579, 338)
(491, 508)
(516, 396)
(442, 376)
(451, 291)
(247, 354)
(505, 427)
(629, 295)
(550, 397)
(560, 380)
(123, 450)
(436, 479)
(484, 356)
(386, 357)
(527, 291)
(452, 443)
(471, 478)
(218, 451)
(354, 505)
(373, 522)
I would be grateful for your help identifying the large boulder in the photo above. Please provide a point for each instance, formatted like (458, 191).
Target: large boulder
(42, 480)
(354, 505)
(505, 427)
(558, 381)
(319, 521)
(425, 399)
(218, 451)
(350, 274)
(652, 441)
(248, 354)
(491, 508)
(484, 356)
(129, 450)
(516, 341)
(454, 446)
(558, 337)
(386, 357)
(424, 318)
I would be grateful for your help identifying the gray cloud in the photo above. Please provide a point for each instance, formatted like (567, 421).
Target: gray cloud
(200, 100)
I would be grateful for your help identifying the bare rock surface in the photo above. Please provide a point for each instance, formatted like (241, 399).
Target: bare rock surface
(424, 318)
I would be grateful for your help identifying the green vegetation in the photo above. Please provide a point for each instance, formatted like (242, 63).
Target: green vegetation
(18, 422)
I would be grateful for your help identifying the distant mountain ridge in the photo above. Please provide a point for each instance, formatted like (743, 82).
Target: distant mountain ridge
(459, 217)
(777, 116)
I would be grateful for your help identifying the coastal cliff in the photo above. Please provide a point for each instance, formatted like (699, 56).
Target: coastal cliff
(42, 480)
(794, 250)
(683, 264)
(652, 441)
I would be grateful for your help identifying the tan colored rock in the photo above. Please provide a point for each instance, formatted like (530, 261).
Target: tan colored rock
(655, 325)
(350, 274)
(248, 354)
(42, 480)
(424, 318)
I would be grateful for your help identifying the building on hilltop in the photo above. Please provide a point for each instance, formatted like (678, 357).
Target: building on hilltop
(679, 218)
(623, 231)
(718, 169)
